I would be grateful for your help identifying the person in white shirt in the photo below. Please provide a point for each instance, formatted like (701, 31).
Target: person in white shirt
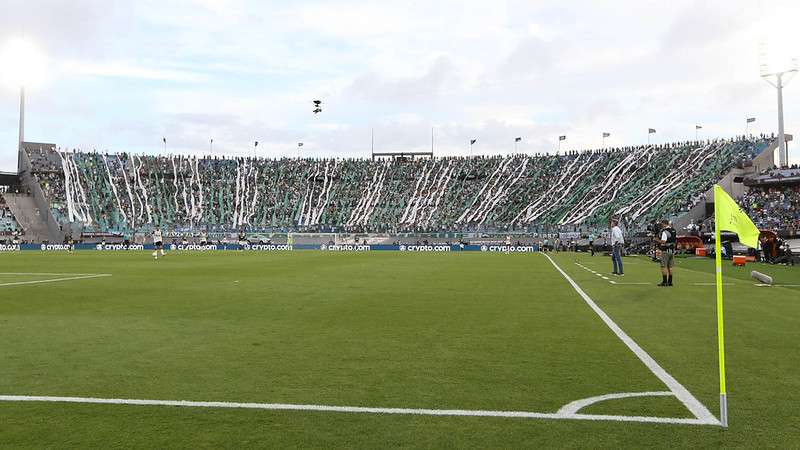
(617, 242)
(158, 242)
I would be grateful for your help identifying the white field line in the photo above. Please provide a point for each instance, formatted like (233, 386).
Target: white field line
(605, 277)
(358, 409)
(577, 405)
(48, 273)
(692, 404)
(568, 412)
(53, 280)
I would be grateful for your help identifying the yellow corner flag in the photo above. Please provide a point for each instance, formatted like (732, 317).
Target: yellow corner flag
(728, 216)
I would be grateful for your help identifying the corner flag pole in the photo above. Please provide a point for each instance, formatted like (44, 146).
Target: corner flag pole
(723, 400)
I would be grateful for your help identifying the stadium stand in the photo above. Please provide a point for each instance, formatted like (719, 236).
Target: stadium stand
(120, 193)
(773, 201)
(8, 224)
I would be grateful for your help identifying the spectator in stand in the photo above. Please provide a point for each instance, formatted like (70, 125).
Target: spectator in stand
(773, 208)
(119, 192)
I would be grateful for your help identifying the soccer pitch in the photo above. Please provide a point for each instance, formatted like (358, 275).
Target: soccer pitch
(388, 349)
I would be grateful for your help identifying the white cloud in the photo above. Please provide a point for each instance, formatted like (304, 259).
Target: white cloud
(126, 69)
(124, 74)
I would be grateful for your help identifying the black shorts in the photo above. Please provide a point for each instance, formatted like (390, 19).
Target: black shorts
(159, 244)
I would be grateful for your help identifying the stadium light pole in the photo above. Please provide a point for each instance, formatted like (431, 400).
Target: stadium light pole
(21, 117)
(777, 69)
(23, 67)
(779, 84)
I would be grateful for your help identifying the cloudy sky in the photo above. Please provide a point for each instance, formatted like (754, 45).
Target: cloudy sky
(121, 75)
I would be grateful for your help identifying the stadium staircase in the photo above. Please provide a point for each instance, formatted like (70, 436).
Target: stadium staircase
(32, 209)
(28, 216)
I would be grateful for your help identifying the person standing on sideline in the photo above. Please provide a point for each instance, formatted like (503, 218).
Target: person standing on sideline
(666, 243)
(591, 243)
(617, 242)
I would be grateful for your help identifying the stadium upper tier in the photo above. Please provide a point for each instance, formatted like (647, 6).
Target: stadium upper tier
(124, 192)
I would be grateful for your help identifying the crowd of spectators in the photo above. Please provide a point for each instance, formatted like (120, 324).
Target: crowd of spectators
(774, 208)
(125, 192)
(8, 224)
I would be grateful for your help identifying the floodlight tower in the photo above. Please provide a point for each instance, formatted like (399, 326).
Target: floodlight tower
(21, 126)
(778, 70)
(23, 66)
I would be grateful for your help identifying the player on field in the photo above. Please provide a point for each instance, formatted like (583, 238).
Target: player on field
(68, 241)
(242, 239)
(158, 242)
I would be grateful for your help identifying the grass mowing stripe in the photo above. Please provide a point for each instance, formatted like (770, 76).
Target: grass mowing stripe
(698, 409)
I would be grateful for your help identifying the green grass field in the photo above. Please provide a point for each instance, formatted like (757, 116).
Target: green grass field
(466, 331)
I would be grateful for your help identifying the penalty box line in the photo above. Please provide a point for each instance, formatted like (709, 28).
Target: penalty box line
(690, 401)
(50, 280)
(358, 409)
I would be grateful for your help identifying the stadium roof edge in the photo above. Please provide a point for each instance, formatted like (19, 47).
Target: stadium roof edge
(773, 138)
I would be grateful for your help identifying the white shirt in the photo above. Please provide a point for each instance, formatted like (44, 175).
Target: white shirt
(664, 236)
(616, 236)
(157, 236)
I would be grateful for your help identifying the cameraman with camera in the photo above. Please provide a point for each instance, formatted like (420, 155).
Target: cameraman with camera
(666, 243)
(653, 230)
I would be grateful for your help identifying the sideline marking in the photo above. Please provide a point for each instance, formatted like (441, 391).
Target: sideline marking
(53, 280)
(606, 278)
(692, 404)
(360, 409)
(621, 283)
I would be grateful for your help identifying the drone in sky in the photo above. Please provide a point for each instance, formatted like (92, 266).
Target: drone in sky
(317, 106)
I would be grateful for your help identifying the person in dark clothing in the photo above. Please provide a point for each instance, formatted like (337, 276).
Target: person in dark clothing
(666, 243)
